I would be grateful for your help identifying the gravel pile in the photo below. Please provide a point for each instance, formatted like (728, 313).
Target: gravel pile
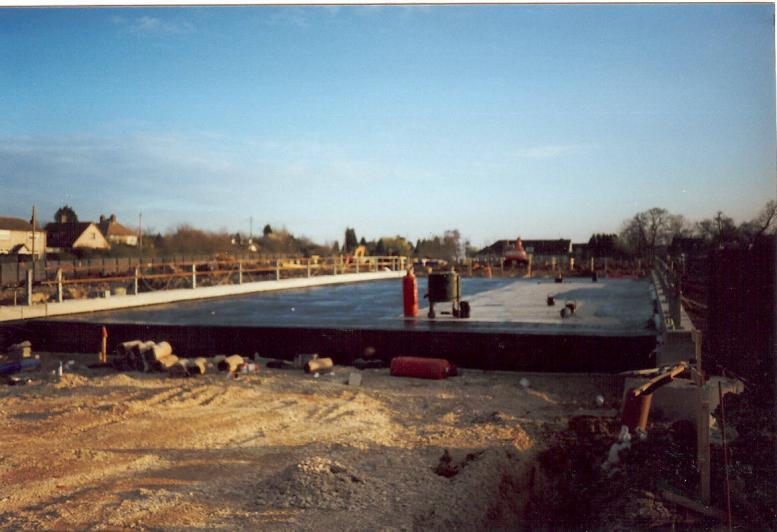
(316, 482)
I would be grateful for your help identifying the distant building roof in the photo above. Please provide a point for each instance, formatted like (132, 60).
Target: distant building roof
(63, 235)
(497, 248)
(16, 224)
(109, 228)
(548, 247)
(20, 249)
(536, 247)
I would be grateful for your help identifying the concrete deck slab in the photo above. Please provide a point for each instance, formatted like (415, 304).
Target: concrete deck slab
(607, 306)
(160, 297)
(615, 307)
(512, 328)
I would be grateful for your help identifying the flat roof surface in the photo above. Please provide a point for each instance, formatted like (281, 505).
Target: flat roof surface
(617, 307)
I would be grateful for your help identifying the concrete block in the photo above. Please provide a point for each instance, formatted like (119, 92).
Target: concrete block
(678, 346)
(354, 379)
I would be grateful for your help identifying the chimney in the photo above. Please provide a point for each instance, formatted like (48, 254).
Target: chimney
(113, 218)
(62, 219)
(102, 218)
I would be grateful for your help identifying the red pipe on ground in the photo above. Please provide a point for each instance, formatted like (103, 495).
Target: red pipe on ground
(422, 368)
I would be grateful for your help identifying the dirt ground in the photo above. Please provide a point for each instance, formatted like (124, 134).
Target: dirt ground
(281, 449)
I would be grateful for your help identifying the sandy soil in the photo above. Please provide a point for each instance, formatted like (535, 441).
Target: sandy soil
(278, 450)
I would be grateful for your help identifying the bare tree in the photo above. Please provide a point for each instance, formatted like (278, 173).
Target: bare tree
(763, 224)
(719, 229)
(647, 230)
(679, 227)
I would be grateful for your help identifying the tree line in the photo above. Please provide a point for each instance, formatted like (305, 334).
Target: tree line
(649, 230)
(641, 235)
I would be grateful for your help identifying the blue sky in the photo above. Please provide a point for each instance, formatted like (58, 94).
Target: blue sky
(540, 121)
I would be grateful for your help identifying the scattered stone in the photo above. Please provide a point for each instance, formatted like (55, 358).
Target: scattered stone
(374, 363)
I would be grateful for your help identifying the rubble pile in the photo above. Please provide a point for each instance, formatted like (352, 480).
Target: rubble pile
(315, 482)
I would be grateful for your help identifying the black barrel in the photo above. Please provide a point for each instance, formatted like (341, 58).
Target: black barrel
(444, 286)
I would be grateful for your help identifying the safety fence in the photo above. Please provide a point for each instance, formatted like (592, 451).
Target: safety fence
(62, 280)
(550, 265)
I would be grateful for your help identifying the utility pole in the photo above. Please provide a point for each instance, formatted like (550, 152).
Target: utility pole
(140, 229)
(250, 228)
(33, 242)
(33, 233)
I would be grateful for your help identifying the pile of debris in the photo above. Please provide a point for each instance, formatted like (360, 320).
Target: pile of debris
(149, 356)
(316, 482)
(18, 358)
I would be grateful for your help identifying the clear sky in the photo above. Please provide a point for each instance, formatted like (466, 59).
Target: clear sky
(539, 121)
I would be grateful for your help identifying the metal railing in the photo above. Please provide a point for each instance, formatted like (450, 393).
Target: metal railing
(82, 281)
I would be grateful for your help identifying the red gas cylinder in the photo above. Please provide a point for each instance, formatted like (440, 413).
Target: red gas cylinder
(422, 368)
(410, 295)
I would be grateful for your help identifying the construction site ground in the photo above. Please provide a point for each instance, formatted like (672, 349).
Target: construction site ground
(98, 449)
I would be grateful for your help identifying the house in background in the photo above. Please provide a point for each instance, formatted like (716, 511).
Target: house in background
(116, 233)
(74, 235)
(543, 251)
(496, 250)
(16, 237)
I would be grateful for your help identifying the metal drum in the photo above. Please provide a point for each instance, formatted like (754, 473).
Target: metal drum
(444, 286)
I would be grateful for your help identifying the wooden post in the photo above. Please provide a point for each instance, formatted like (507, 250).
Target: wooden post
(703, 445)
(698, 375)
(103, 359)
(240, 272)
(194, 276)
(29, 287)
(135, 283)
(702, 424)
(59, 285)
(725, 456)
